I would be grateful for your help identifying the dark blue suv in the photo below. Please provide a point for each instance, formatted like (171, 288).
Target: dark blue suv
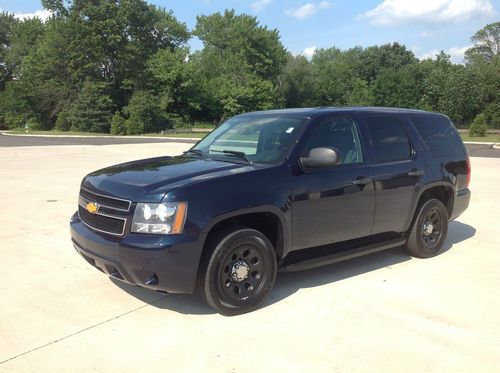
(275, 190)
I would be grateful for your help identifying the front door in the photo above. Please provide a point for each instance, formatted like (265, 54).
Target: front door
(337, 203)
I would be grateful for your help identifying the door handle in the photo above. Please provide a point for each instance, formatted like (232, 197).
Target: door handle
(362, 180)
(416, 173)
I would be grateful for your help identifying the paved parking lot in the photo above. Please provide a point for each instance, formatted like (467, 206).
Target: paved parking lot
(383, 312)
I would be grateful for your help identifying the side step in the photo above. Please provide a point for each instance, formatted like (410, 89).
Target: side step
(340, 256)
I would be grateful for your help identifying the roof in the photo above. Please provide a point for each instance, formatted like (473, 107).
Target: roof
(310, 112)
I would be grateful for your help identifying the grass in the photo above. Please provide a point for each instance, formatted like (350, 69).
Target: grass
(493, 137)
(21, 131)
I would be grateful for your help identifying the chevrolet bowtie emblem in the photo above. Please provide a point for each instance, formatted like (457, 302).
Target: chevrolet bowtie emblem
(92, 207)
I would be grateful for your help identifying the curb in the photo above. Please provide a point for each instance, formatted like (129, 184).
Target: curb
(480, 143)
(105, 137)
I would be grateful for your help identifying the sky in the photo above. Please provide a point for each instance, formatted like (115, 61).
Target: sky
(424, 26)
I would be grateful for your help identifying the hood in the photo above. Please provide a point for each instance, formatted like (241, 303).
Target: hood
(148, 180)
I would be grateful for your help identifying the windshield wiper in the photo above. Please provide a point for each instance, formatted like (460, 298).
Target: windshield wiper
(195, 151)
(241, 155)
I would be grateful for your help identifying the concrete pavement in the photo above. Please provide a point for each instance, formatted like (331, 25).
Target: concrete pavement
(383, 312)
(48, 140)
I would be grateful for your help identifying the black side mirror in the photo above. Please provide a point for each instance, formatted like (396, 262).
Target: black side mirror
(320, 158)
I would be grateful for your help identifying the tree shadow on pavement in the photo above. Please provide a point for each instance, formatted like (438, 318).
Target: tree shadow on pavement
(288, 283)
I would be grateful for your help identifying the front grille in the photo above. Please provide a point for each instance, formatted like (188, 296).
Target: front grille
(111, 214)
(102, 223)
(115, 203)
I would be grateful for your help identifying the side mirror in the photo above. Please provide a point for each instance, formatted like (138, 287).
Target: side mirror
(320, 158)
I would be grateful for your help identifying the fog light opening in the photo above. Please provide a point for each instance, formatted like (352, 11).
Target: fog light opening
(153, 280)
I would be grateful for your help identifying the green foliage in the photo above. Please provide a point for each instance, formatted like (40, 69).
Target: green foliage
(461, 99)
(492, 115)
(117, 124)
(478, 127)
(239, 66)
(144, 114)
(14, 107)
(124, 67)
(298, 82)
(62, 123)
(92, 109)
(486, 43)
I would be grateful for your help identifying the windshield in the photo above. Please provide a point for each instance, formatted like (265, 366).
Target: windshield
(258, 138)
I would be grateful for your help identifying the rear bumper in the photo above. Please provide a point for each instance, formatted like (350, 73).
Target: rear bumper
(166, 263)
(461, 202)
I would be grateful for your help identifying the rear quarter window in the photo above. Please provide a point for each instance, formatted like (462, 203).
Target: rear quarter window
(439, 135)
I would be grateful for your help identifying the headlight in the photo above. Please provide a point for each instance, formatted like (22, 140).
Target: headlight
(159, 218)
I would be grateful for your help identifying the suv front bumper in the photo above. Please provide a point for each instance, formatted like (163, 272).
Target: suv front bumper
(166, 263)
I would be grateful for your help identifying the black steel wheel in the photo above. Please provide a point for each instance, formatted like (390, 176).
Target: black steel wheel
(429, 230)
(238, 271)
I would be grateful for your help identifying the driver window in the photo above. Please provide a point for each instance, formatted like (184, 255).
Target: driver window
(341, 134)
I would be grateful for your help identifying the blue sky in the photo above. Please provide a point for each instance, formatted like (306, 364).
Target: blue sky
(425, 26)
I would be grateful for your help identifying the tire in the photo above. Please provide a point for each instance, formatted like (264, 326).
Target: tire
(238, 271)
(429, 230)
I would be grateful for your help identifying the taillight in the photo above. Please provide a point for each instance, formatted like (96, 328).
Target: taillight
(467, 171)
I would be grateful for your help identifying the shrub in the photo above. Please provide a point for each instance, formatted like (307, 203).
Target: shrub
(117, 124)
(62, 123)
(92, 109)
(478, 127)
(144, 114)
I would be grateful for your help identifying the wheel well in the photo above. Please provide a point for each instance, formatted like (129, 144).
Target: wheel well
(267, 223)
(442, 193)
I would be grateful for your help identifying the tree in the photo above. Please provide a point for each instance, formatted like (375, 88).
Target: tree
(434, 75)
(171, 80)
(486, 43)
(397, 88)
(92, 109)
(461, 97)
(144, 114)
(298, 83)
(370, 62)
(239, 66)
(7, 23)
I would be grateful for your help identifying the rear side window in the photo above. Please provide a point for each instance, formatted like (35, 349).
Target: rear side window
(439, 135)
(390, 141)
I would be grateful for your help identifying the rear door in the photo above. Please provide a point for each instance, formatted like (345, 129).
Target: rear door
(398, 169)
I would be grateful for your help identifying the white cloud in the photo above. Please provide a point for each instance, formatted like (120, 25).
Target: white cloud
(42, 14)
(456, 54)
(308, 9)
(393, 12)
(302, 11)
(309, 51)
(259, 5)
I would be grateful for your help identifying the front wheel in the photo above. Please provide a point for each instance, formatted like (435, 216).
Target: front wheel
(238, 271)
(429, 230)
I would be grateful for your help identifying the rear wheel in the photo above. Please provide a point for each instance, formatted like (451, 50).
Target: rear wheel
(429, 230)
(238, 271)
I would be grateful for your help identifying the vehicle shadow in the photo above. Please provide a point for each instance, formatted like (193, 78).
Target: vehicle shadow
(288, 283)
